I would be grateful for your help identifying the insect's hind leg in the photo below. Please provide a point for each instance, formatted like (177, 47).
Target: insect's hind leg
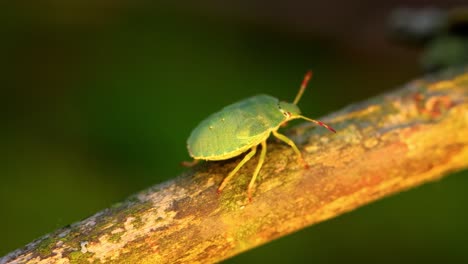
(288, 141)
(257, 170)
(190, 163)
(231, 174)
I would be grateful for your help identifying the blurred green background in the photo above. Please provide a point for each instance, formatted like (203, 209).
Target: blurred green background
(98, 98)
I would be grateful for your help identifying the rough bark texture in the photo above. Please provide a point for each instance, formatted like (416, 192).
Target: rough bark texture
(384, 145)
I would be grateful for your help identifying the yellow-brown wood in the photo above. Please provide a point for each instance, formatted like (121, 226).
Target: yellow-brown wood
(384, 145)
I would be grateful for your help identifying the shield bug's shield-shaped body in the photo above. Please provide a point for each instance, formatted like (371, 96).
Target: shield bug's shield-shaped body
(241, 127)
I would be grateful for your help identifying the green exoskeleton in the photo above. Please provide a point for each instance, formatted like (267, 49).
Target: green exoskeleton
(242, 126)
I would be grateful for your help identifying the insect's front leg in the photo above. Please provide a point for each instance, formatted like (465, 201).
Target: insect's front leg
(288, 141)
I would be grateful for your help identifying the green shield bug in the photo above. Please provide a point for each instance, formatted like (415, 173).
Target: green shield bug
(243, 126)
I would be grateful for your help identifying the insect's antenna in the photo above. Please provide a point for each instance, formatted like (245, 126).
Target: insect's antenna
(307, 77)
(318, 123)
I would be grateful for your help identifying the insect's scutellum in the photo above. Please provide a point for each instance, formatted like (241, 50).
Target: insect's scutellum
(246, 124)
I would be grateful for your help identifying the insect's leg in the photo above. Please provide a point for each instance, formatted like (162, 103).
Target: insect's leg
(290, 143)
(243, 161)
(318, 123)
(257, 170)
(190, 163)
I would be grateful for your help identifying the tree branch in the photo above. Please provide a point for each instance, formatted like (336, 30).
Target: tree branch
(384, 145)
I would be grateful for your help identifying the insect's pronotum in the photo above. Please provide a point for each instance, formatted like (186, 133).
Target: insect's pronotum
(242, 126)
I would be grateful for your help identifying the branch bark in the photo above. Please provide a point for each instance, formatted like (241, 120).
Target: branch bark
(384, 145)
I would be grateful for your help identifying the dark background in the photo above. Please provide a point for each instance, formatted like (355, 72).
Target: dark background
(98, 97)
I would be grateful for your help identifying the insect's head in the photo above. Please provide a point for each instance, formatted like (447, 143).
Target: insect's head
(289, 110)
